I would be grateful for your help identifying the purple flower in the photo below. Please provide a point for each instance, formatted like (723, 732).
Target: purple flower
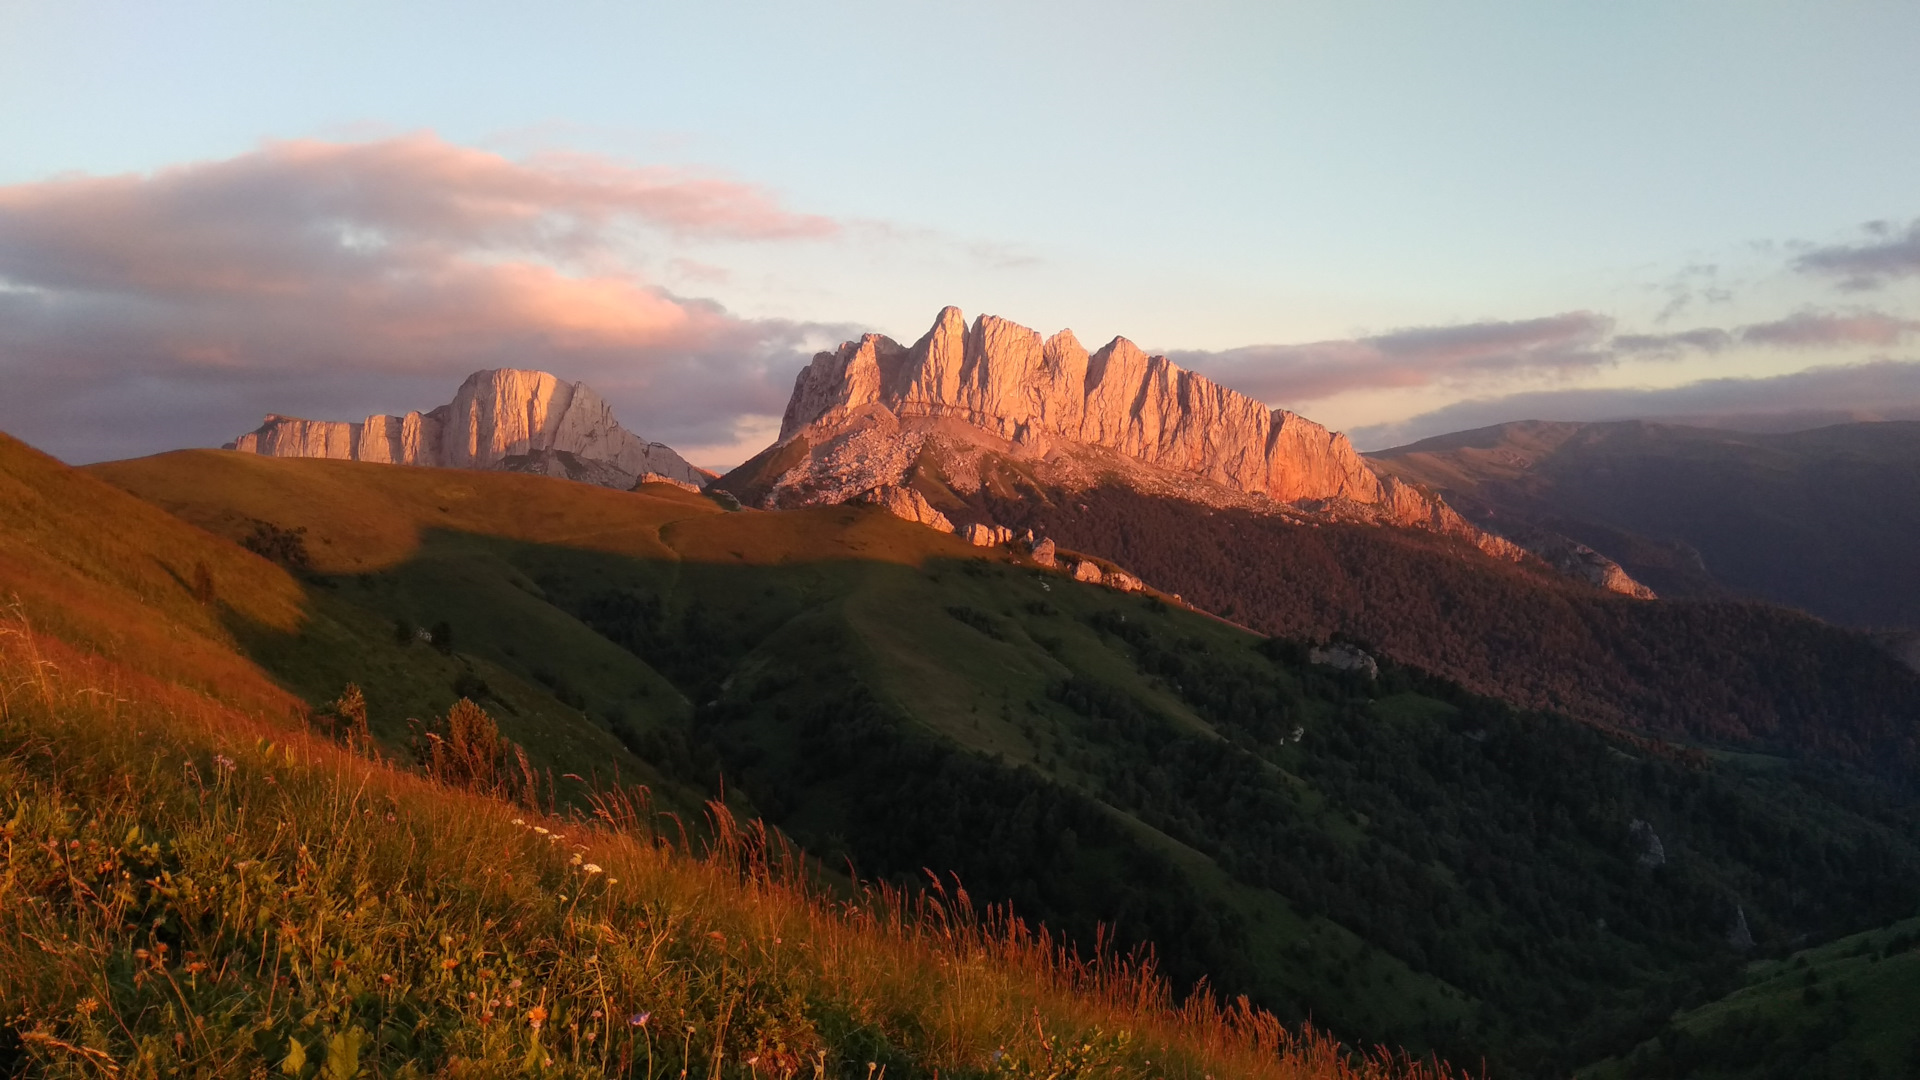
(639, 1019)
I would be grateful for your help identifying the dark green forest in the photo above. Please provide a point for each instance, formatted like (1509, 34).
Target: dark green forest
(1735, 674)
(1491, 847)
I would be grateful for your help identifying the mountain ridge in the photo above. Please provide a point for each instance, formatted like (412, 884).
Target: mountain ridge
(500, 418)
(1819, 519)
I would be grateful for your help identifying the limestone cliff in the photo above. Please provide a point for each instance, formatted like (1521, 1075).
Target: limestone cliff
(1002, 378)
(874, 413)
(525, 421)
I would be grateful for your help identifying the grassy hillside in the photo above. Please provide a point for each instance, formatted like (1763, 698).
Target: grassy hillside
(1820, 520)
(1841, 1010)
(92, 564)
(1400, 859)
(188, 889)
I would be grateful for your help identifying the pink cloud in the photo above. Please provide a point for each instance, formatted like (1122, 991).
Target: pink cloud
(1568, 343)
(1824, 329)
(145, 311)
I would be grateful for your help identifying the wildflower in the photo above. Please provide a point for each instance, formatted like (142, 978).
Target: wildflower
(575, 861)
(595, 1014)
(540, 830)
(514, 985)
(613, 881)
(591, 868)
(639, 1019)
(224, 762)
(386, 979)
(519, 821)
(537, 1016)
(486, 973)
(449, 964)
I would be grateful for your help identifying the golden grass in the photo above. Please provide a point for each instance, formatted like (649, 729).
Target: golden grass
(101, 567)
(187, 888)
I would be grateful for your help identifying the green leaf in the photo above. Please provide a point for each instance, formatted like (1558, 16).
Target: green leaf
(534, 1055)
(343, 1054)
(296, 1058)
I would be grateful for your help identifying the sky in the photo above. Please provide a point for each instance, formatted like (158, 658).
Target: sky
(1397, 219)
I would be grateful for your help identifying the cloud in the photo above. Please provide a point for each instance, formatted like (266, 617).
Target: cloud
(1706, 339)
(1816, 329)
(1887, 253)
(1878, 390)
(1565, 344)
(1809, 329)
(143, 312)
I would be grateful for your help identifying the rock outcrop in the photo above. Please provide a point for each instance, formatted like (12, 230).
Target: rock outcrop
(1343, 657)
(874, 413)
(1002, 378)
(521, 421)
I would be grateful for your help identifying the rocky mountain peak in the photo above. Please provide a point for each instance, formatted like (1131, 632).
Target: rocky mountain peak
(504, 418)
(1005, 380)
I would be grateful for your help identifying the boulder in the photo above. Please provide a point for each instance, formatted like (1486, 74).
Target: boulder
(1044, 552)
(1343, 657)
(908, 504)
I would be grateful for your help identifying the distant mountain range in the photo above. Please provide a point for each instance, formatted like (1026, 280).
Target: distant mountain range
(1824, 520)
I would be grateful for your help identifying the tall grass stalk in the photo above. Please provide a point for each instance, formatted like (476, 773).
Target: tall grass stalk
(190, 890)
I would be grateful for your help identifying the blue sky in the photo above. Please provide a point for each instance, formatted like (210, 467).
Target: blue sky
(1329, 181)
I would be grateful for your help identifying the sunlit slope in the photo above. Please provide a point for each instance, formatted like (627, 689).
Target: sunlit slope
(92, 564)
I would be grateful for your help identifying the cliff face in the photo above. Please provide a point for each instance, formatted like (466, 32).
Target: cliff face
(873, 412)
(1002, 378)
(525, 421)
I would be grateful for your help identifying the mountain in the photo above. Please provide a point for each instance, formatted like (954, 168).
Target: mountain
(207, 876)
(519, 421)
(1337, 835)
(1822, 520)
(862, 418)
(1172, 478)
